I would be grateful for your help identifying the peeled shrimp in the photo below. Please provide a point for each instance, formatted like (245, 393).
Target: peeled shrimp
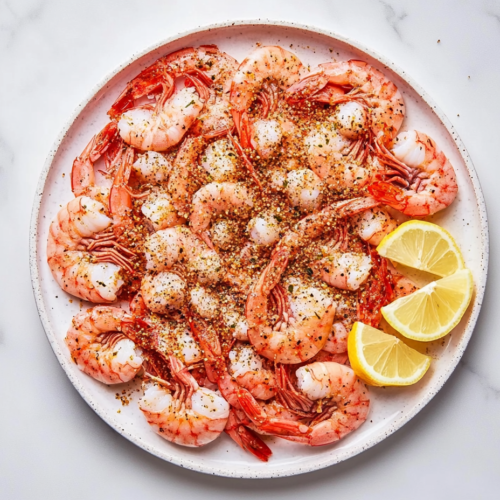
(152, 168)
(100, 349)
(159, 210)
(343, 269)
(420, 180)
(163, 292)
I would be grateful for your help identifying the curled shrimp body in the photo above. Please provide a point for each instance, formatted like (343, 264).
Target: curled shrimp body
(340, 384)
(192, 423)
(342, 269)
(159, 210)
(178, 245)
(163, 292)
(345, 402)
(164, 125)
(100, 349)
(215, 198)
(420, 180)
(374, 101)
(247, 368)
(152, 168)
(293, 339)
(161, 128)
(261, 75)
(93, 276)
(83, 181)
(337, 340)
(373, 224)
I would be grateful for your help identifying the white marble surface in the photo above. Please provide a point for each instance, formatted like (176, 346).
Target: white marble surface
(52, 445)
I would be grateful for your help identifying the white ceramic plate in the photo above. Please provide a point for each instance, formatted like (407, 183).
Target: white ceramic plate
(391, 408)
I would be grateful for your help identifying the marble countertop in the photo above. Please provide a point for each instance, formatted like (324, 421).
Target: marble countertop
(52, 444)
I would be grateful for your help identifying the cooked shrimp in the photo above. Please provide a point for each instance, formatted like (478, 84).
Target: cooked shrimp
(426, 178)
(342, 269)
(100, 349)
(164, 126)
(344, 398)
(337, 340)
(82, 174)
(304, 189)
(205, 302)
(338, 161)
(192, 416)
(220, 161)
(159, 209)
(224, 233)
(261, 75)
(266, 137)
(373, 224)
(401, 285)
(339, 384)
(94, 275)
(379, 104)
(152, 168)
(161, 128)
(163, 292)
(237, 323)
(345, 316)
(178, 245)
(314, 225)
(292, 339)
(215, 198)
(182, 183)
(247, 368)
(264, 229)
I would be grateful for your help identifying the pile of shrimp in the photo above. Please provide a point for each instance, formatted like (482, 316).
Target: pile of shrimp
(238, 237)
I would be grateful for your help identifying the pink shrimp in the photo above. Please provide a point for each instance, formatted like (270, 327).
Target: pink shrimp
(82, 248)
(184, 413)
(260, 75)
(99, 347)
(380, 104)
(160, 127)
(82, 174)
(419, 180)
(344, 401)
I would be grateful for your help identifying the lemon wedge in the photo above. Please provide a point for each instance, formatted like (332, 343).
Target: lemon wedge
(434, 310)
(423, 245)
(382, 360)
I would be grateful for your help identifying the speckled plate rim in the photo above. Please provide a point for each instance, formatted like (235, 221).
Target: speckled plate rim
(320, 462)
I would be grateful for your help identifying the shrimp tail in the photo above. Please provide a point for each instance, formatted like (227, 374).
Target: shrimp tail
(247, 439)
(389, 194)
(274, 426)
(120, 199)
(307, 87)
(82, 173)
